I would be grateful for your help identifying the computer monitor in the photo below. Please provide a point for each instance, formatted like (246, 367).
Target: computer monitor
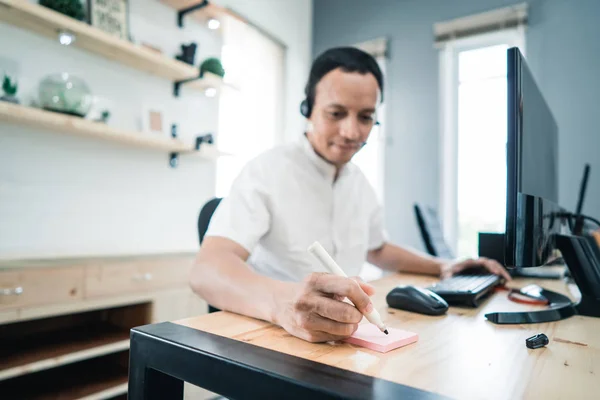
(532, 170)
(537, 228)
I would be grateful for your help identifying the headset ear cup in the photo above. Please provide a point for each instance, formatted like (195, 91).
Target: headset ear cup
(304, 109)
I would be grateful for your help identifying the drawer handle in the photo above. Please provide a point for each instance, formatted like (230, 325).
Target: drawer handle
(12, 292)
(143, 277)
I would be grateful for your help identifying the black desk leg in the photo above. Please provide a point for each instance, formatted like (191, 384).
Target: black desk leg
(147, 383)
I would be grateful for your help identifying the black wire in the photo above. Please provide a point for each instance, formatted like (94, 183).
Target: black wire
(569, 216)
(570, 222)
(594, 220)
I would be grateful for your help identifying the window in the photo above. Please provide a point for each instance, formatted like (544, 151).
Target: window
(250, 111)
(370, 159)
(473, 83)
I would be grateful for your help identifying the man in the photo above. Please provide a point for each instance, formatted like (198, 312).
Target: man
(254, 259)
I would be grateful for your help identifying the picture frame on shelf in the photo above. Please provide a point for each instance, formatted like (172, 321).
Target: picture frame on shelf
(155, 120)
(110, 16)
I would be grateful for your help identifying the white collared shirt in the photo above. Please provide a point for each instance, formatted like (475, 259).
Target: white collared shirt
(285, 199)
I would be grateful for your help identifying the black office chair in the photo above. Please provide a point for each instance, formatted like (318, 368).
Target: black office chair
(204, 217)
(433, 236)
(431, 232)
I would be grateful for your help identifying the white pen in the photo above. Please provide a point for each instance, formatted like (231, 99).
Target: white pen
(321, 254)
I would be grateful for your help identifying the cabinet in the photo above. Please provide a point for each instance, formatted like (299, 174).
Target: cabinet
(66, 322)
(29, 288)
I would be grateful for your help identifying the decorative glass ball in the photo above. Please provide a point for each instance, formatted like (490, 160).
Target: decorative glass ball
(65, 93)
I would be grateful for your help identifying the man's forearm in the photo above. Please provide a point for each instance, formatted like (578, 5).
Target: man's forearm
(227, 283)
(398, 259)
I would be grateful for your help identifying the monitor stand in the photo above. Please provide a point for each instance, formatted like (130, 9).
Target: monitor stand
(537, 273)
(582, 256)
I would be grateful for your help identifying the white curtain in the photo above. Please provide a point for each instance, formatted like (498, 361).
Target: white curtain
(250, 109)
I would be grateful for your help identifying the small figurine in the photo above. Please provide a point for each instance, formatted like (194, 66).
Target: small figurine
(188, 53)
(104, 116)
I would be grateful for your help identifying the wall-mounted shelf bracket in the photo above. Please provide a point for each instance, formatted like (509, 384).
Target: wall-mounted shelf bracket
(208, 138)
(181, 13)
(177, 85)
(174, 156)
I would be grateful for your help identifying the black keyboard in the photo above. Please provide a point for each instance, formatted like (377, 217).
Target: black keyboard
(466, 290)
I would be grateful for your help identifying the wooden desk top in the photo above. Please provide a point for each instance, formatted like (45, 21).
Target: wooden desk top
(459, 354)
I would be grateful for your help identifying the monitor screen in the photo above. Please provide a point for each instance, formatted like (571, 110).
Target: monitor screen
(532, 170)
(539, 141)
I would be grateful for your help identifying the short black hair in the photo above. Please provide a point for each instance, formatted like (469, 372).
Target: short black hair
(349, 59)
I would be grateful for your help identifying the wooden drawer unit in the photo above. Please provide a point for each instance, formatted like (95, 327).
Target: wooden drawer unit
(67, 321)
(40, 286)
(136, 276)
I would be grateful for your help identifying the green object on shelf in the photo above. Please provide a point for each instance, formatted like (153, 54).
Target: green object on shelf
(9, 88)
(104, 116)
(212, 65)
(65, 93)
(71, 8)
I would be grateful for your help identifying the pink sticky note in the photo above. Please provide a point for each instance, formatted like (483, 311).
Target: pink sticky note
(369, 336)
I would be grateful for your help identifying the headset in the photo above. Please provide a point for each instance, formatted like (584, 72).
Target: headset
(305, 108)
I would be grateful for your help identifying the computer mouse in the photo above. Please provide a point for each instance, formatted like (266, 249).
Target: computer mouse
(411, 298)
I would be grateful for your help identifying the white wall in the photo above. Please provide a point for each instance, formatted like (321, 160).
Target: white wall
(67, 196)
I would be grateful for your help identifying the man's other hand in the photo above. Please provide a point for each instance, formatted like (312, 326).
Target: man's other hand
(454, 267)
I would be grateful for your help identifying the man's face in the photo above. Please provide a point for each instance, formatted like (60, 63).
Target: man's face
(343, 114)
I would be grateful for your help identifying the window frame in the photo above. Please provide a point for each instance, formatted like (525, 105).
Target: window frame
(380, 141)
(448, 119)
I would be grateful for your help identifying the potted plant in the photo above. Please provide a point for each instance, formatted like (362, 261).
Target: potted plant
(10, 90)
(71, 8)
(212, 65)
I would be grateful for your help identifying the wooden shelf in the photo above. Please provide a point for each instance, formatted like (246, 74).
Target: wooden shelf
(209, 80)
(205, 13)
(49, 23)
(62, 123)
(49, 350)
(100, 378)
